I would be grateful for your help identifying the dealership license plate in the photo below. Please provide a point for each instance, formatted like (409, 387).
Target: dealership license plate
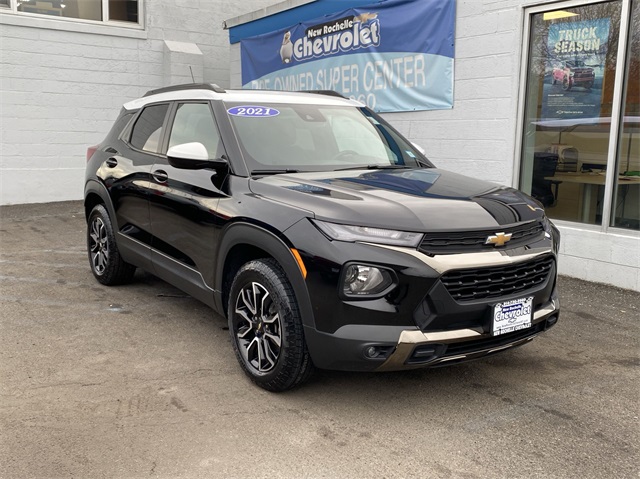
(510, 316)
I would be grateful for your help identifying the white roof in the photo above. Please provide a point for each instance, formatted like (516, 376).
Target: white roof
(249, 96)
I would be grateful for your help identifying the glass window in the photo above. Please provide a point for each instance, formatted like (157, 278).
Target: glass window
(84, 9)
(119, 10)
(569, 100)
(123, 10)
(148, 128)
(4, 3)
(626, 198)
(193, 123)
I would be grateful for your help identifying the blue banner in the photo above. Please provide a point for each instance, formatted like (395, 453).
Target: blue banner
(395, 55)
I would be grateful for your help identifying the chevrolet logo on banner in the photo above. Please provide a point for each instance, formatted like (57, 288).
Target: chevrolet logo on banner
(499, 239)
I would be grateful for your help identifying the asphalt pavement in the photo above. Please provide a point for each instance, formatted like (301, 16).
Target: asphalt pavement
(140, 381)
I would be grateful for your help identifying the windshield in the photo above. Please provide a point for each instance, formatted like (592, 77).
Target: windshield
(280, 137)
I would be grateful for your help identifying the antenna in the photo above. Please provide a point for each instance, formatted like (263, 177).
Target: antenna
(191, 70)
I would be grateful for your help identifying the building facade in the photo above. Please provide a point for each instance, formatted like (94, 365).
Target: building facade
(68, 66)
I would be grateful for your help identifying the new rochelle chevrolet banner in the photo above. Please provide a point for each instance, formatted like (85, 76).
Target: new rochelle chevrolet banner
(394, 55)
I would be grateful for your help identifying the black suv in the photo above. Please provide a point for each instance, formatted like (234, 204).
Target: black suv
(325, 237)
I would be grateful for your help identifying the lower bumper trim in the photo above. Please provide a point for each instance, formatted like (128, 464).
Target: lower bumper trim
(454, 341)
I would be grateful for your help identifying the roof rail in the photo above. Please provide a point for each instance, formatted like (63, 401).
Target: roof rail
(187, 86)
(326, 92)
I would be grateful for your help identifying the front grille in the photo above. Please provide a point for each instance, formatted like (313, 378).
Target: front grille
(470, 241)
(497, 281)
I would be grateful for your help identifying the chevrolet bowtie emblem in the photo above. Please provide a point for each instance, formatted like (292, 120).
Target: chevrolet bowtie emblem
(499, 239)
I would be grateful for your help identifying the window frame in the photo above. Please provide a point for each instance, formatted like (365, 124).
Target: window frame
(128, 131)
(12, 9)
(617, 108)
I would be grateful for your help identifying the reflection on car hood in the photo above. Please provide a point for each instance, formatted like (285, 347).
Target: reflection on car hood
(406, 199)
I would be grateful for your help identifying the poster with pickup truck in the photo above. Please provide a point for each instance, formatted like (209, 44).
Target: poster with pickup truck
(576, 59)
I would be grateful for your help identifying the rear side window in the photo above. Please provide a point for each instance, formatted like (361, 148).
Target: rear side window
(148, 128)
(123, 120)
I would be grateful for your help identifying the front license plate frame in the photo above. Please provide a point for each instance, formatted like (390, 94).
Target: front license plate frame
(510, 316)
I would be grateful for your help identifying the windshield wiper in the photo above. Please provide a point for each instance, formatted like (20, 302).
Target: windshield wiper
(375, 167)
(272, 172)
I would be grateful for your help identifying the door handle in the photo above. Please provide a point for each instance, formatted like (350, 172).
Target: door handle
(160, 176)
(112, 162)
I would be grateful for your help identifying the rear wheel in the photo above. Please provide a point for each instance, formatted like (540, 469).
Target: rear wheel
(107, 265)
(266, 327)
(566, 83)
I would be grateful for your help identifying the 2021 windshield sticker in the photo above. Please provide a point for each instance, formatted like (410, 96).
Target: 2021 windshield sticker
(253, 111)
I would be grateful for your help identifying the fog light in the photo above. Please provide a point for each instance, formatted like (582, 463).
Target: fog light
(379, 351)
(371, 352)
(359, 280)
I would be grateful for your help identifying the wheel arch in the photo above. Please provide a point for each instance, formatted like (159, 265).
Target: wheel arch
(243, 242)
(95, 193)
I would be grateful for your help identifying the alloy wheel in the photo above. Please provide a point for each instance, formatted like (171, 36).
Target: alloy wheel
(258, 328)
(98, 245)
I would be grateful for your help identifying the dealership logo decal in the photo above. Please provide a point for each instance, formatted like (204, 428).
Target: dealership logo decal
(341, 35)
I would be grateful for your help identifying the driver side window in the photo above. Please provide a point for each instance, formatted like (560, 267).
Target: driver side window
(194, 122)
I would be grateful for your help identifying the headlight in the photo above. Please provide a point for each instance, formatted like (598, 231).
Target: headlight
(546, 224)
(550, 231)
(368, 234)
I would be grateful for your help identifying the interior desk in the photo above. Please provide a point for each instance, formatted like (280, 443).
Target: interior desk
(589, 180)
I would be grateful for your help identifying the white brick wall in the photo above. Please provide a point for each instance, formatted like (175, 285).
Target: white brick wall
(61, 89)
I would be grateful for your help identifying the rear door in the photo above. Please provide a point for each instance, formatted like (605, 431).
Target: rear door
(183, 209)
(126, 174)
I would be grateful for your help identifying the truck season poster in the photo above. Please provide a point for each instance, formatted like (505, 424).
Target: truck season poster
(576, 60)
(394, 55)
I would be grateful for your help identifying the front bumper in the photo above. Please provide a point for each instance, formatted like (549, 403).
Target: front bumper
(419, 349)
(410, 348)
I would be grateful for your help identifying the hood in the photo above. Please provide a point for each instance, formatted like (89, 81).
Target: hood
(426, 199)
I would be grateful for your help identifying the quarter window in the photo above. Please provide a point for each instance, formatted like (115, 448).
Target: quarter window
(148, 128)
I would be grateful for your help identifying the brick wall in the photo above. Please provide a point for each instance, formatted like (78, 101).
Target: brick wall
(61, 89)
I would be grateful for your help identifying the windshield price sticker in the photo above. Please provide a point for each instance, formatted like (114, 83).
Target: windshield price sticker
(511, 316)
(253, 111)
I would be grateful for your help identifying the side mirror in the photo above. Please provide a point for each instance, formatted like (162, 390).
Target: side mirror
(193, 156)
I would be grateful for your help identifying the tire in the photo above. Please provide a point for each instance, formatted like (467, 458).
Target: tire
(566, 84)
(266, 327)
(588, 85)
(106, 263)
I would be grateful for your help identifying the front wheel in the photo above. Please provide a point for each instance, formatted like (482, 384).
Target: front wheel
(566, 84)
(107, 265)
(266, 327)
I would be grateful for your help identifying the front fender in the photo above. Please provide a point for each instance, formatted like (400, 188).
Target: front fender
(252, 235)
